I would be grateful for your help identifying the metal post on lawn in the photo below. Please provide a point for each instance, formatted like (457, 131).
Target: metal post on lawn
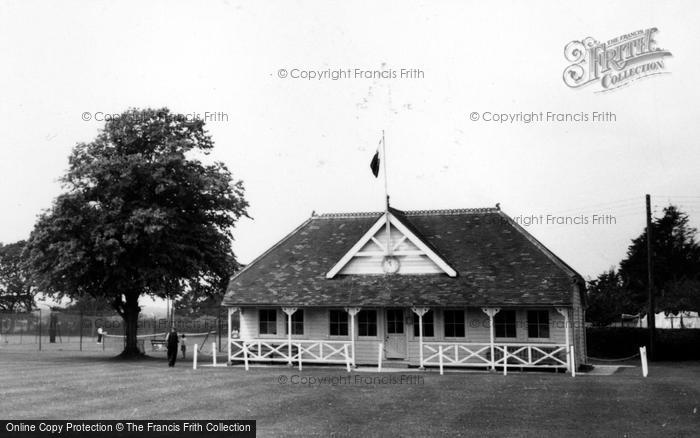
(213, 353)
(643, 357)
(194, 358)
(81, 330)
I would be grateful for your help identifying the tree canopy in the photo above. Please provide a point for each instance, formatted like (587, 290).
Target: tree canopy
(141, 213)
(676, 273)
(16, 291)
(676, 261)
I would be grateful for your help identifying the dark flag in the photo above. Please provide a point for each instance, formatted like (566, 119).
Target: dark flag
(374, 165)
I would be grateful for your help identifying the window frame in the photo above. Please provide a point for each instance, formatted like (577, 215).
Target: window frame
(538, 324)
(463, 323)
(506, 324)
(368, 324)
(268, 323)
(396, 322)
(339, 324)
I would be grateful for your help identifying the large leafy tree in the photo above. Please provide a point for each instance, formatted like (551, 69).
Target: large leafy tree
(144, 212)
(16, 291)
(676, 265)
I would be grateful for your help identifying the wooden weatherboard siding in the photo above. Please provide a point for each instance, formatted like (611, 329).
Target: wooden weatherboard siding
(317, 322)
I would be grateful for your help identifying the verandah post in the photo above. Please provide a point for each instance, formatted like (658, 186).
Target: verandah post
(565, 313)
(420, 311)
(491, 312)
(352, 311)
(289, 311)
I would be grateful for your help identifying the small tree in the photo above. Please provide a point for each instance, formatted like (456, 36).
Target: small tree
(607, 299)
(141, 214)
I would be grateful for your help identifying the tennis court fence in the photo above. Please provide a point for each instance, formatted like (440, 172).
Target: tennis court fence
(51, 330)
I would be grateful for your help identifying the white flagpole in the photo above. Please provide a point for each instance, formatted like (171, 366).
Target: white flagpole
(386, 196)
(386, 190)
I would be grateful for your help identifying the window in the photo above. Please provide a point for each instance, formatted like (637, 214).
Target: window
(367, 323)
(504, 323)
(394, 321)
(428, 328)
(268, 321)
(454, 323)
(297, 323)
(339, 323)
(538, 324)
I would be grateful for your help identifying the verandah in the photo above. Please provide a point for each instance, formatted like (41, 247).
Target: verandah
(451, 353)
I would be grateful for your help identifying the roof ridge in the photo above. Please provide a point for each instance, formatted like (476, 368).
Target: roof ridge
(451, 211)
(349, 214)
(442, 212)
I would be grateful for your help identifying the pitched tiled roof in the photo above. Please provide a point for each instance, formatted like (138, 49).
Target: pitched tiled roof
(497, 263)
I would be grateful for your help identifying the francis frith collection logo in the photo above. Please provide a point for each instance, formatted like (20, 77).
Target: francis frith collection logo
(616, 62)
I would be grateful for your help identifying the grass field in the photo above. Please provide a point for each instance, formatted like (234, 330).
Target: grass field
(55, 385)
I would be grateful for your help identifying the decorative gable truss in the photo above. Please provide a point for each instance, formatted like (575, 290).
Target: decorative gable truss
(396, 240)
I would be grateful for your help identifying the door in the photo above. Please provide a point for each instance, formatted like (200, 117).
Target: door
(395, 342)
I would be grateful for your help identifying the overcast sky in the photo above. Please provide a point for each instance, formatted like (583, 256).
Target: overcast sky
(301, 145)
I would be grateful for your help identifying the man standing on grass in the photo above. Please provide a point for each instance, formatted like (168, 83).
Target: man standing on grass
(171, 341)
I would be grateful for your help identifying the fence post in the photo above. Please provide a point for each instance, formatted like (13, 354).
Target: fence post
(347, 357)
(379, 357)
(299, 350)
(440, 357)
(194, 358)
(643, 357)
(245, 354)
(505, 360)
(213, 353)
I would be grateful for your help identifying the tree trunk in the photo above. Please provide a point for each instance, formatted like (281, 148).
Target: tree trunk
(131, 318)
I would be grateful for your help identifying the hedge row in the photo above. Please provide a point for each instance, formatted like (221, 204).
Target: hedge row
(619, 342)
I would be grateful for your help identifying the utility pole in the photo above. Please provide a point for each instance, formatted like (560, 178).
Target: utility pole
(651, 314)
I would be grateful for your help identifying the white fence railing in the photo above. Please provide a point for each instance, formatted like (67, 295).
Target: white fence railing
(298, 352)
(442, 354)
(514, 355)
